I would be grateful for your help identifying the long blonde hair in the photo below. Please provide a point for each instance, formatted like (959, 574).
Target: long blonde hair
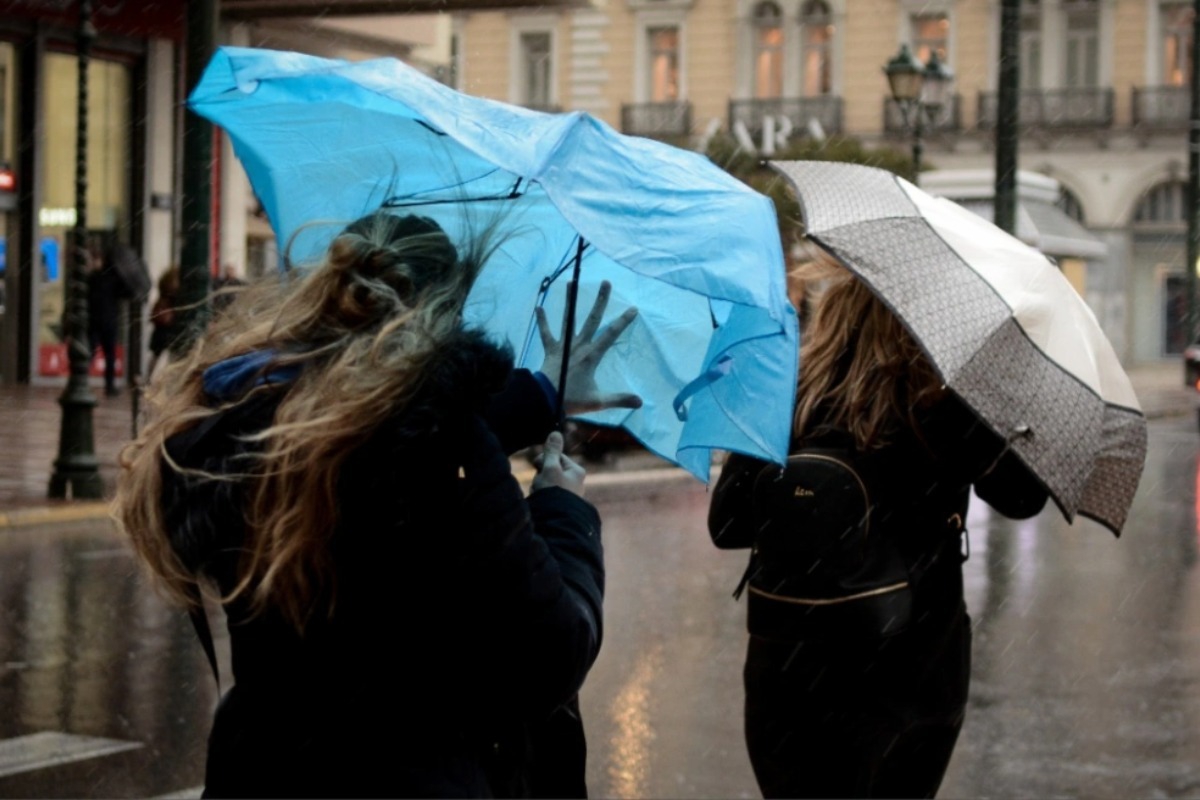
(860, 370)
(361, 328)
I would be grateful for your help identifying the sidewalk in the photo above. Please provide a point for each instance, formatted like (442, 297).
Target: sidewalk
(29, 438)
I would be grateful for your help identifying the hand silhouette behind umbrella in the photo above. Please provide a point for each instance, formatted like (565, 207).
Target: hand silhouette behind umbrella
(587, 350)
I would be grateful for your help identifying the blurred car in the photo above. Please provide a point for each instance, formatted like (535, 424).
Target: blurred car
(1191, 364)
(598, 443)
(1191, 373)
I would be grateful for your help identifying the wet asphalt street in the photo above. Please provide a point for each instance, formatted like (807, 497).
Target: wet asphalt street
(1086, 659)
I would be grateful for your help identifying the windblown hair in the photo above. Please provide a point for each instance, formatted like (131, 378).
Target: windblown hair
(361, 328)
(860, 369)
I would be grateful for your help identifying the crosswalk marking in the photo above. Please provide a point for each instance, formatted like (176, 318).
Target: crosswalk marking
(183, 794)
(54, 748)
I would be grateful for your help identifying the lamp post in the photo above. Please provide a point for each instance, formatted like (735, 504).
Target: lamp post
(920, 91)
(76, 470)
(195, 260)
(1193, 187)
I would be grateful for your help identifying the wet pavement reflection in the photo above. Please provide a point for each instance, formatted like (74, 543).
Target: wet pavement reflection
(87, 649)
(1086, 676)
(1086, 654)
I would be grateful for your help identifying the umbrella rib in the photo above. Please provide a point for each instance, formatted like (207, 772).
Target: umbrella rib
(566, 261)
(406, 201)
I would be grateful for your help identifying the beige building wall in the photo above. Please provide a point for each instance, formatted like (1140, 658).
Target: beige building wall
(711, 44)
(1129, 54)
(1106, 169)
(870, 40)
(564, 56)
(619, 64)
(484, 39)
(974, 49)
(596, 53)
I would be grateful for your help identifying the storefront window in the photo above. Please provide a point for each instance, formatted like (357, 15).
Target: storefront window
(108, 145)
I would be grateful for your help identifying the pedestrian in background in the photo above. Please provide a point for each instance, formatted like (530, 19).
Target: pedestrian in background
(332, 459)
(225, 288)
(105, 292)
(858, 662)
(163, 316)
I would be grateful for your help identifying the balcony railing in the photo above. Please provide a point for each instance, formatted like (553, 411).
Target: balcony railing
(947, 120)
(657, 120)
(1166, 107)
(801, 112)
(1054, 108)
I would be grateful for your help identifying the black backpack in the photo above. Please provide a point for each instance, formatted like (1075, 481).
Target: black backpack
(820, 567)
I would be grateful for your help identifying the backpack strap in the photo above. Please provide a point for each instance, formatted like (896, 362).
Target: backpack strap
(203, 632)
(751, 568)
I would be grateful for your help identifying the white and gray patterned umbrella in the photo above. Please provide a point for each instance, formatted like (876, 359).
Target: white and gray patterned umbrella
(1004, 328)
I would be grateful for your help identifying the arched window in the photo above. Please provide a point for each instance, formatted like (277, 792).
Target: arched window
(1162, 206)
(1161, 219)
(768, 50)
(816, 48)
(1070, 205)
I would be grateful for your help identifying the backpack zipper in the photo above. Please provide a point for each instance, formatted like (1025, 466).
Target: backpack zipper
(801, 601)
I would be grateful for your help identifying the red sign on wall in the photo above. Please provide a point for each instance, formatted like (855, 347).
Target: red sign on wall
(52, 361)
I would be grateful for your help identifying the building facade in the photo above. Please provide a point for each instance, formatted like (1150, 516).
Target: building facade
(1104, 112)
(1104, 102)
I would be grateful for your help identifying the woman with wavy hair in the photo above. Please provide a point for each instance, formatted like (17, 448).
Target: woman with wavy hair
(331, 460)
(859, 654)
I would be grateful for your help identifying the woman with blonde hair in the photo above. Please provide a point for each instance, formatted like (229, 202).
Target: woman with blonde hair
(859, 654)
(332, 460)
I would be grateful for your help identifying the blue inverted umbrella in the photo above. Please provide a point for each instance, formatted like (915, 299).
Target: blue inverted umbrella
(713, 351)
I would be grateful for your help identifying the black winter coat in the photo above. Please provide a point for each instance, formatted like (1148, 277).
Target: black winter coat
(843, 711)
(465, 614)
(922, 479)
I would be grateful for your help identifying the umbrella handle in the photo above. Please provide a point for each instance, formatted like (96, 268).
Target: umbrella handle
(568, 335)
(714, 373)
(1020, 431)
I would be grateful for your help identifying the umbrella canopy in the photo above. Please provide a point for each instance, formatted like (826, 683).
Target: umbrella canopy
(713, 351)
(1000, 323)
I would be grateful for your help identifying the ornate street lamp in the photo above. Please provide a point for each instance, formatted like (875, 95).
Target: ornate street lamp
(920, 90)
(76, 468)
(935, 90)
